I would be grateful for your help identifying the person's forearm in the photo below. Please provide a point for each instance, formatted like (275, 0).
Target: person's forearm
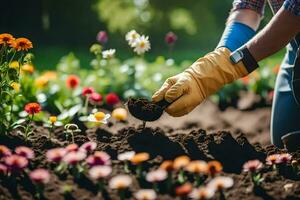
(245, 16)
(279, 31)
(240, 28)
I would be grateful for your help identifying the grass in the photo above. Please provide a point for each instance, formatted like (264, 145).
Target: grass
(47, 57)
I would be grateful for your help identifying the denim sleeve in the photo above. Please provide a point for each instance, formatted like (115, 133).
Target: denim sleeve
(293, 6)
(256, 5)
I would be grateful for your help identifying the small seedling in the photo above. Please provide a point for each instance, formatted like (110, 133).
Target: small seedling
(70, 130)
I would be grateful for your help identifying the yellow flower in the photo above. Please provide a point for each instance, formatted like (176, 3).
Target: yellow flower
(50, 75)
(52, 119)
(99, 116)
(14, 65)
(15, 86)
(28, 68)
(41, 82)
(119, 114)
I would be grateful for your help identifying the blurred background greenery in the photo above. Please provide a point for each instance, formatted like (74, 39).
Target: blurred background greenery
(57, 27)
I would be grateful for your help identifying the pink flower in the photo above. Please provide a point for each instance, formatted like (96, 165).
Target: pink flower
(25, 152)
(273, 159)
(120, 182)
(72, 147)
(285, 158)
(220, 183)
(128, 155)
(156, 176)
(95, 98)
(145, 194)
(3, 169)
(102, 37)
(88, 146)
(170, 38)
(87, 91)
(99, 172)
(202, 193)
(4, 151)
(56, 155)
(99, 158)
(112, 99)
(16, 162)
(252, 166)
(74, 157)
(40, 176)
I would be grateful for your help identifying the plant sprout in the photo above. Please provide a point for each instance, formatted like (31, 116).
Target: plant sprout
(70, 130)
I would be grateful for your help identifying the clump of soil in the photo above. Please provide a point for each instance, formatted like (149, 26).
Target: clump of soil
(161, 145)
(145, 110)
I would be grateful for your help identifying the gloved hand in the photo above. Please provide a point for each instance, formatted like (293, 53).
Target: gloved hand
(206, 76)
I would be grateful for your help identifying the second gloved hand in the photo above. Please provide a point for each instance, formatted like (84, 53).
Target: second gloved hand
(206, 76)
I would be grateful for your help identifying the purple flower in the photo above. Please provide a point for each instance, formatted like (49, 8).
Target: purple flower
(170, 38)
(102, 37)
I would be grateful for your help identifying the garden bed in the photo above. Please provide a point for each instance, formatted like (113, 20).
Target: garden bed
(165, 140)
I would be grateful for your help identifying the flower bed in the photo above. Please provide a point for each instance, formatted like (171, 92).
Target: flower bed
(109, 168)
(60, 138)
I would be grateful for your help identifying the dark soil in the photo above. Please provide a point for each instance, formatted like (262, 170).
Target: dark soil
(166, 142)
(145, 110)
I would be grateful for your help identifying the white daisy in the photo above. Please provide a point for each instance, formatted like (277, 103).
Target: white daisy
(108, 54)
(98, 117)
(142, 45)
(131, 37)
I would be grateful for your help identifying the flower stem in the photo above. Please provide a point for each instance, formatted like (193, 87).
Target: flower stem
(27, 129)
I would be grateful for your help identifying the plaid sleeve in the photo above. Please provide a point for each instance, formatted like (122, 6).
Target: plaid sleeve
(292, 6)
(256, 5)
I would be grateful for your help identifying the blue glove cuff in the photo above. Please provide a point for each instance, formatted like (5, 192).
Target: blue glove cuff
(235, 35)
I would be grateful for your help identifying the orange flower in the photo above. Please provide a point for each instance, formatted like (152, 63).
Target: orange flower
(214, 167)
(6, 38)
(180, 162)
(245, 80)
(140, 158)
(28, 68)
(32, 108)
(72, 81)
(197, 166)
(183, 190)
(167, 165)
(22, 44)
(50, 75)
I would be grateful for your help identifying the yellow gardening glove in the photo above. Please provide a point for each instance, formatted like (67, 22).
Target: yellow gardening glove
(206, 76)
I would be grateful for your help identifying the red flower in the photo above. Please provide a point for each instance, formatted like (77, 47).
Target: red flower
(170, 38)
(87, 91)
(15, 162)
(102, 37)
(72, 81)
(95, 98)
(33, 108)
(112, 99)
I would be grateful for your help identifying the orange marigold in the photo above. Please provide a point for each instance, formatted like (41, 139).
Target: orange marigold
(22, 44)
(140, 158)
(6, 38)
(214, 167)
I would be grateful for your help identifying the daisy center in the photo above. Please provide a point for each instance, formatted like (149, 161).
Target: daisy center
(99, 116)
